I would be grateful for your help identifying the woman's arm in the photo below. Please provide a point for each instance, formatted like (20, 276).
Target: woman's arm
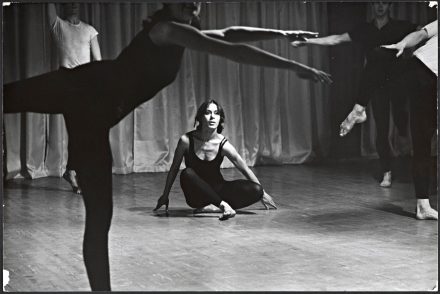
(331, 40)
(251, 34)
(182, 146)
(171, 33)
(231, 153)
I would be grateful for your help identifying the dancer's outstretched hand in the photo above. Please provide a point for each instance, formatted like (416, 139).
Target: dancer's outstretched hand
(163, 200)
(315, 75)
(300, 35)
(268, 201)
(399, 47)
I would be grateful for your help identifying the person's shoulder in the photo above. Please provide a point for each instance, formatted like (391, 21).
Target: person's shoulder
(57, 21)
(222, 138)
(87, 26)
(185, 138)
(225, 143)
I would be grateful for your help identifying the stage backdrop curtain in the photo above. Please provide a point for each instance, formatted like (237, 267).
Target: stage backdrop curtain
(272, 116)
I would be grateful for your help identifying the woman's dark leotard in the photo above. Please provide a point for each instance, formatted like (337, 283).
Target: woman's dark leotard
(203, 184)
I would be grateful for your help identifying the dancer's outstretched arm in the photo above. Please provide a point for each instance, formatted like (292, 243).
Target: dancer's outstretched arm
(251, 34)
(182, 146)
(331, 40)
(409, 41)
(231, 153)
(172, 33)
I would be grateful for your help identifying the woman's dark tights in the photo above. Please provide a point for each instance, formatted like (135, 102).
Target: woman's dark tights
(238, 194)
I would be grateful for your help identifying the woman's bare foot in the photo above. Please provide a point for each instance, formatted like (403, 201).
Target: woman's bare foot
(228, 212)
(211, 208)
(424, 210)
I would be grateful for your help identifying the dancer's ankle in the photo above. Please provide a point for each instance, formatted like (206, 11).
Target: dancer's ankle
(424, 211)
(423, 204)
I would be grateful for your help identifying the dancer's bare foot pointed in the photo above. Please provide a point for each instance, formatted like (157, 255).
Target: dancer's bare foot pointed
(70, 177)
(356, 116)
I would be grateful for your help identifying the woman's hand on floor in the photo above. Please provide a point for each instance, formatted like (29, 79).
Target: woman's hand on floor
(268, 201)
(163, 200)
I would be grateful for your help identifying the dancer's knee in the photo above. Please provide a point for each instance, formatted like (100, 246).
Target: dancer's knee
(187, 174)
(257, 190)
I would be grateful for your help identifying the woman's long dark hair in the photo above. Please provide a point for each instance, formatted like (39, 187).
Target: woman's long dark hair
(202, 110)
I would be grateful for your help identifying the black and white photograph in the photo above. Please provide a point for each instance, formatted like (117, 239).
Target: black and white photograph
(219, 146)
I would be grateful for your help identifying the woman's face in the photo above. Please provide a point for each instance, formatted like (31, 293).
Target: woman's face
(211, 118)
(184, 12)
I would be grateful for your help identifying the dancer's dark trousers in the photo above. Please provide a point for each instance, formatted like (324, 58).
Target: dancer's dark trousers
(238, 194)
(423, 121)
(385, 96)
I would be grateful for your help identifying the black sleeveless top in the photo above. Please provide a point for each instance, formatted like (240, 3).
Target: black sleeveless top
(208, 170)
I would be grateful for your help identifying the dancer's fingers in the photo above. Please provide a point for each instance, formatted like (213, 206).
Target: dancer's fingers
(160, 202)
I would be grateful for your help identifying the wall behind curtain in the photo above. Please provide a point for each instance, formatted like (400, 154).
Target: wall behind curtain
(272, 117)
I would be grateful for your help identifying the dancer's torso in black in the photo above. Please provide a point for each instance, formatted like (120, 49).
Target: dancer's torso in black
(208, 170)
(116, 87)
(381, 63)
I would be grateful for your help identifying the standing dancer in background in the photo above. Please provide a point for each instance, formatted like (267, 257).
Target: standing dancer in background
(76, 41)
(381, 68)
(421, 76)
(94, 97)
(201, 181)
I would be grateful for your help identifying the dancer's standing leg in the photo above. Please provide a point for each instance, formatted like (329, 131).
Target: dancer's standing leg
(381, 112)
(94, 170)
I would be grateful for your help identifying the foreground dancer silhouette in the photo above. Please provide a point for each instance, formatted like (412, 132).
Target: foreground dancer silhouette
(97, 95)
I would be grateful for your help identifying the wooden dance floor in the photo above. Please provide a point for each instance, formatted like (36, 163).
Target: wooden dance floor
(335, 230)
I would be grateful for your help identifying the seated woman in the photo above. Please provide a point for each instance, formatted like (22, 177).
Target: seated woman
(201, 181)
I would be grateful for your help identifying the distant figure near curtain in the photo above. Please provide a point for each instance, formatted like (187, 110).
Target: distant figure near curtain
(378, 76)
(94, 97)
